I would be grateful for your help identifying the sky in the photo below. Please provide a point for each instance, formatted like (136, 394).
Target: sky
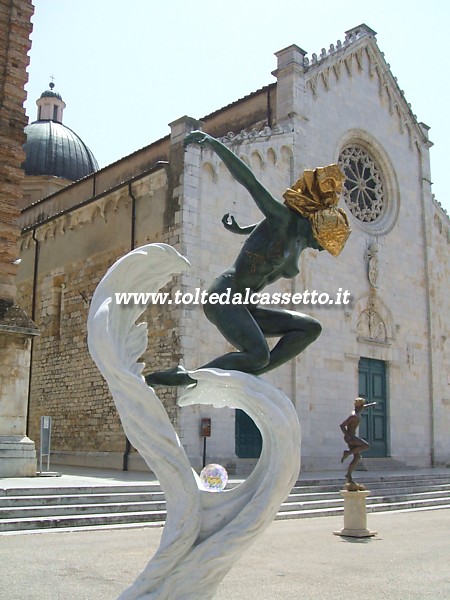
(126, 69)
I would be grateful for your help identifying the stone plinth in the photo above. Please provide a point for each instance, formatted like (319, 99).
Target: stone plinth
(355, 515)
(17, 456)
(17, 451)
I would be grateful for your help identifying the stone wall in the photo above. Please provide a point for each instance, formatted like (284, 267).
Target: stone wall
(439, 274)
(74, 252)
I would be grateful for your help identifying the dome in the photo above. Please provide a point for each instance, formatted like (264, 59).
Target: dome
(51, 94)
(51, 147)
(54, 149)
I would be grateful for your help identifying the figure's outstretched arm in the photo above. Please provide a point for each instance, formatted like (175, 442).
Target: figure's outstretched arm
(229, 222)
(264, 200)
(371, 404)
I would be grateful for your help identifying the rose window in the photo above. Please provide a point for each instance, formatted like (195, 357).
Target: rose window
(363, 188)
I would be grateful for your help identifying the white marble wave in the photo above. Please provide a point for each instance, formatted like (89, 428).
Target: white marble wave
(205, 532)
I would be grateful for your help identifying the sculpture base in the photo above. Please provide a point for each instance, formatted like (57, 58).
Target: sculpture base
(356, 533)
(355, 515)
(17, 456)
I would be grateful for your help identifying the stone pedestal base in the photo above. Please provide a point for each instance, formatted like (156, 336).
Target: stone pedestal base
(17, 456)
(17, 451)
(355, 515)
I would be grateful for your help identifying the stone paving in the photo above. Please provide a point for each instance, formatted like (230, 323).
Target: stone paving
(299, 559)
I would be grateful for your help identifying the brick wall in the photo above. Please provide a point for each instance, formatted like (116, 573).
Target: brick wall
(15, 29)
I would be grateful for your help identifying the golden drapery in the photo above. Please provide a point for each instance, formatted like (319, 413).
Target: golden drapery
(315, 196)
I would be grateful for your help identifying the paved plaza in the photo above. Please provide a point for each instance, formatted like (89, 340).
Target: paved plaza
(294, 559)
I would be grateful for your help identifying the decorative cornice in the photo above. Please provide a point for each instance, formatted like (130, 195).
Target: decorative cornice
(250, 136)
(38, 214)
(100, 208)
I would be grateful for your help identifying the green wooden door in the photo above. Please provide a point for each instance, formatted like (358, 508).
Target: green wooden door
(248, 436)
(372, 387)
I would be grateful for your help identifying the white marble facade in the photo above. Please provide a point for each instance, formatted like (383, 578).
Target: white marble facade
(394, 265)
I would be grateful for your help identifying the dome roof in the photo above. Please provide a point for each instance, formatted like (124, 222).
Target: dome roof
(54, 149)
(51, 94)
(51, 147)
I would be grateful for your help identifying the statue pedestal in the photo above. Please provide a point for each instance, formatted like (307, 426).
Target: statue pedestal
(355, 515)
(17, 451)
(17, 456)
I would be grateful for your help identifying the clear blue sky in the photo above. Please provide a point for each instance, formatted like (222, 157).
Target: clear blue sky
(127, 69)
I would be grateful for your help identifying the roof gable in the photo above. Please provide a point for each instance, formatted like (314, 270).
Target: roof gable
(357, 53)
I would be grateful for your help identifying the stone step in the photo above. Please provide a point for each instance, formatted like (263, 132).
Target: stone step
(36, 509)
(67, 499)
(334, 501)
(147, 487)
(106, 501)
(371, 485)
(380, 464)
(371, 508)
(124, 518)
(88, 520)
(396, 490)
(21, 512)
(369, 481)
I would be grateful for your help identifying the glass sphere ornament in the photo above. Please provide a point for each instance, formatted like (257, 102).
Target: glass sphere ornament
(213, 478)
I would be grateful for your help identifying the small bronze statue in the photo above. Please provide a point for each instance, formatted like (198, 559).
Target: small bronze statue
(356, 445)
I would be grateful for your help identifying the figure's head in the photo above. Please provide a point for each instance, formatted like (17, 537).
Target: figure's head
(315, 196)
(360, 403)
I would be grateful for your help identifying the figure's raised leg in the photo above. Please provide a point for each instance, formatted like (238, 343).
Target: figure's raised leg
(346, 454)
(240, 329)
(296, 331)
(247, 330)
(356, 447)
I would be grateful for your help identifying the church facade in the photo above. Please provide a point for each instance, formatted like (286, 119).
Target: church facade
(386, 332)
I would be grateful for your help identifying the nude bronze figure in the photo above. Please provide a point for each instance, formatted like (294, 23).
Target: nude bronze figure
(309, 218)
